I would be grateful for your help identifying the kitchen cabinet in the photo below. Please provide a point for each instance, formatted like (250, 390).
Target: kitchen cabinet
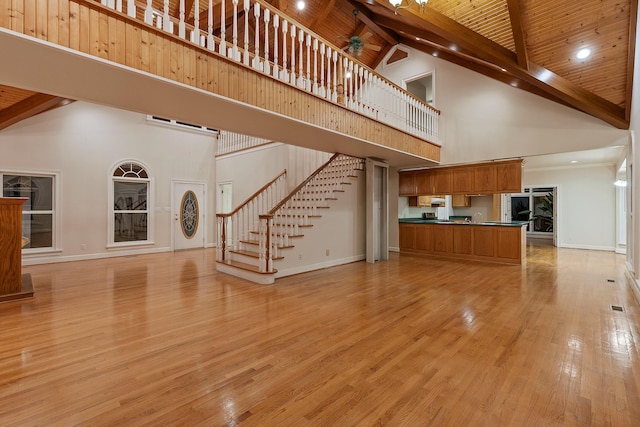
(423, 183)
(460, 201)
(497, 243)
(462, 240)
(407, 186)
(441, 181)
(462, 180)
(484, 179)
(509, 177)
(429, 201)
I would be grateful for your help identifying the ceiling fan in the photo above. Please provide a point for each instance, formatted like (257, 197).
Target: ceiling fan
(355, 44)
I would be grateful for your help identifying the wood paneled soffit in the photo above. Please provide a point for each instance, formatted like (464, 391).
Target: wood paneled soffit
(433, 29)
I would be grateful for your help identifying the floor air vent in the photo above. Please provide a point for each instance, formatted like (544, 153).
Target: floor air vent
(617, 308)
(611, 281)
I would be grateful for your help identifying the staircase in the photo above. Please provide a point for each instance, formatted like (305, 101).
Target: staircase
(254, 238)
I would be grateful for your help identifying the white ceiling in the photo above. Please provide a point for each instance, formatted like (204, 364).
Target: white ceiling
(608, 155)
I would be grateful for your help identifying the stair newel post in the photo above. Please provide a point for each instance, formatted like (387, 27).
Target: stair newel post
(235, 53)
(268, 257)
(284, 75)
(224, 238)
(323, 90)
(222, 47)
(266, 17)
(195, 33)
(211, 44)
(292, 33)
(315, 66)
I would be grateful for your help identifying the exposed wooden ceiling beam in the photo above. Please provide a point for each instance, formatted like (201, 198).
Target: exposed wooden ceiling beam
(518, 33)
(491, 52)
(631, 55)
(319, 19)
(364, 17)
(28, 107)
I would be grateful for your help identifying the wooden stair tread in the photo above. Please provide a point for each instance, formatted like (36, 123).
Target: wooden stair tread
(247, 267)
(252, 254)
(255, 242)
(279, 234)
(292, 225)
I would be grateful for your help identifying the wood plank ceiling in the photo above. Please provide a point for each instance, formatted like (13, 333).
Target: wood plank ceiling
(528, 44)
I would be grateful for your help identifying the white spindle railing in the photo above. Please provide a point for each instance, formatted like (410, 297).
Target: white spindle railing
(229, 142)
(238, 225)
(297, 56)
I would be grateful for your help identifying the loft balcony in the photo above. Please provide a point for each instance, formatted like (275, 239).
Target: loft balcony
(259, 73)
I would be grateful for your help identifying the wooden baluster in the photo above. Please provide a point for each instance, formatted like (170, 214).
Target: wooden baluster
(266, 68)
(181, 25)
(315, 66)
(343, 95)
(245, 56)
(285, 72)
(256, 44)
(210, 40)
(222, 47)
(300, 74)
(334, 95)
(131, 8)
(328, 92)
(276, 27)
(148, 13)
(235, 53)
(307, 41)
(292, 75)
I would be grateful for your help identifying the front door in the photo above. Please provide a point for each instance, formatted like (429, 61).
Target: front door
(188, 215)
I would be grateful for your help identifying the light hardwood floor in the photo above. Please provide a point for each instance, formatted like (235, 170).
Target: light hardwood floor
(165, 340)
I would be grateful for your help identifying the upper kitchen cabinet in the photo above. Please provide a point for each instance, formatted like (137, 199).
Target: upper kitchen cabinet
(484, 179)
(424, 183)
(462, 180)
(441, 181)
(509, 177)
(407, 185)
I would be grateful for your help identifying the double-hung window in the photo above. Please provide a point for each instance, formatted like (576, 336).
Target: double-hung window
(38, 211)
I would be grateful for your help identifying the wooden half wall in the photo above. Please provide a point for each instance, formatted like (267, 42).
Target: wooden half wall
(91, 28)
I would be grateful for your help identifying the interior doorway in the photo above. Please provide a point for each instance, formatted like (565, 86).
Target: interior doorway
(422, 87)
(377, 207)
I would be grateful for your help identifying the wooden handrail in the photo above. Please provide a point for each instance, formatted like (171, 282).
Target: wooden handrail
(298, 188)
(253, 196)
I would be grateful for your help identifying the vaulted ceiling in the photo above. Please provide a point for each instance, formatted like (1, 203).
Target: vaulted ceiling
(528, 44)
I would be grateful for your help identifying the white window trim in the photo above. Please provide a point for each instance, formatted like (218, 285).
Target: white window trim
(111, 211)
(57, 208)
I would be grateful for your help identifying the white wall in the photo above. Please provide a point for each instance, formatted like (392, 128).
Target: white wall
(83, 142)
(483, 119)
(585, 204)
(633, 182)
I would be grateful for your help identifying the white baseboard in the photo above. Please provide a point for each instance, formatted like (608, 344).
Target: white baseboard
(318, 266)
(634, 284)
(394, 249)
(588, 247)
(51, 259)
(210, 245)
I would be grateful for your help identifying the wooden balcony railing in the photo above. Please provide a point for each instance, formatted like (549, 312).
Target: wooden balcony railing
(285, 50)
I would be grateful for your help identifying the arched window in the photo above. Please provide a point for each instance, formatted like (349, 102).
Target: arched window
(130, 215)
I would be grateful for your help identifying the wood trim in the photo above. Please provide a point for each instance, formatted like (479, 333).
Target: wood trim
(633, 29)
(319, 19)
(28, 107)
(364, 17)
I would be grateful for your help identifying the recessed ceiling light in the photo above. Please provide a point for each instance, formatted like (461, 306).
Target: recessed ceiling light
(574, 161)
(583, 53)
(504, 70)
(435, 54)
(418, 38)
(300, 5)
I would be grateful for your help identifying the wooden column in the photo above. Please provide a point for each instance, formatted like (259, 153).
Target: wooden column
(11, 280)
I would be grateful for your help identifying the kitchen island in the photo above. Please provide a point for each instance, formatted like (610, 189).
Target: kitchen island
(502, 242)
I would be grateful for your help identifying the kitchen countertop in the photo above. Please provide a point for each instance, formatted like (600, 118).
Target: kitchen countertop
(445, 222)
